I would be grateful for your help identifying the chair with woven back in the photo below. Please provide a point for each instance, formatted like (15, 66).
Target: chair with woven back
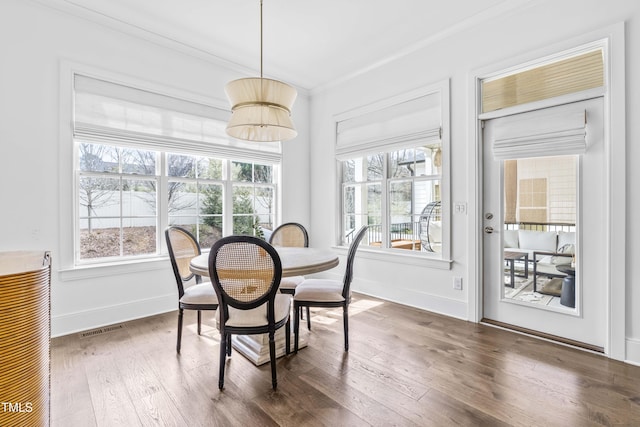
(183, 246)
(245, 272)
(328, 292)
(291, 234)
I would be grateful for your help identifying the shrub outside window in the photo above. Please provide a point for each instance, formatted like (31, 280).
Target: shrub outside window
(121, 190)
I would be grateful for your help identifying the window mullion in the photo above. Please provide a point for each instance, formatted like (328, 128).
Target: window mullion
(227, 205)
(385, 202)
(162, 197)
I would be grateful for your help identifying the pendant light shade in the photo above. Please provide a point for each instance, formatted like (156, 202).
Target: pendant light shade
(261, 109)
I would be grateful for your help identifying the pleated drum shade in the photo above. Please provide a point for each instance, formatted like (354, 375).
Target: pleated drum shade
(24, 338)
(261, 109)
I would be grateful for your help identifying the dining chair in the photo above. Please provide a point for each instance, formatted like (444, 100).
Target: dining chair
(245, 272)
(183, 246)
(291, 234)
(328, 292)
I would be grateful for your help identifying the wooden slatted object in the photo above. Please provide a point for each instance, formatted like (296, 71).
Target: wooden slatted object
(25, 332)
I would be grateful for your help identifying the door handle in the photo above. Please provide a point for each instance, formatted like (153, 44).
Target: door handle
(488, 229)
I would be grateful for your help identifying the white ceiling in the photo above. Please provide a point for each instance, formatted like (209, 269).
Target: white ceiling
(308, 44)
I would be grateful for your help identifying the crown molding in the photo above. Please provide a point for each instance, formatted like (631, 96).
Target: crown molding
(70, 8)
(504, 8)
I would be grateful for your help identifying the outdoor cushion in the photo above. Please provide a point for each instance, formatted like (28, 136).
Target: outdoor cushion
(566, 238)
(435, 231)
(510, 238)
(537, 240)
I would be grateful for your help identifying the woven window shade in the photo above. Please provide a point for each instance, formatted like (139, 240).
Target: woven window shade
(582, 72)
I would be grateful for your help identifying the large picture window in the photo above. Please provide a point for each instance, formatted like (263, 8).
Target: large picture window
(144, 161)
(391, 157)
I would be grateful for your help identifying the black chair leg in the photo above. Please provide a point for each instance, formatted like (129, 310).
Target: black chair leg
(199, 320)
(308, 318)
(345, 317)
(272, 356)
(287, 339)
(180, 314)
(223, 360)
(229, 345)
(296, 326)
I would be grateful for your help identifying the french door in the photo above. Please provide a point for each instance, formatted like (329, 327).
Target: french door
(541, 197)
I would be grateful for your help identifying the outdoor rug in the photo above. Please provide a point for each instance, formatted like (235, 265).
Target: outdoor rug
(523, 290)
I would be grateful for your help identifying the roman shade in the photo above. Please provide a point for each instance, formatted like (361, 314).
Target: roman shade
(112, 113)
(548, 132)
(407, 123)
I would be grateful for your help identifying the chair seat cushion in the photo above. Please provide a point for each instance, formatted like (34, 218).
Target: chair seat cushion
(290, 283)
(202, 293)
(324, 290)
(258, 316)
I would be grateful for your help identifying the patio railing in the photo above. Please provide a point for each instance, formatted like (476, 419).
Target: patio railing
(398, 231)
(540, 226)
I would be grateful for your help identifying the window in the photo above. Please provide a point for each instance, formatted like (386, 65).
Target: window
(194, 194)
(117, 201)
(391, 160)
(405, 181)
(144, 161)
(253, 198)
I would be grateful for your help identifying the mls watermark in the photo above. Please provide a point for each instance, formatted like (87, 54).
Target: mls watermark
(16, 407)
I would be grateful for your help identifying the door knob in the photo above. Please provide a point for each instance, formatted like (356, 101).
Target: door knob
(488, 229)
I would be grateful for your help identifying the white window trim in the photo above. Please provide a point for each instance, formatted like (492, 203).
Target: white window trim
(442, 260)
(65, 257)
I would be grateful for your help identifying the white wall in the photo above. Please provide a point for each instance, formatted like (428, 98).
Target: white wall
(539, 25)
(36, 40)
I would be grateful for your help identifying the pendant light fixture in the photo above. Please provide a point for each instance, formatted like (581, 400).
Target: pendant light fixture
(261, 108)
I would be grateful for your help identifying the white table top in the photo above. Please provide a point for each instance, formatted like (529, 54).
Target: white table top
(295, 261)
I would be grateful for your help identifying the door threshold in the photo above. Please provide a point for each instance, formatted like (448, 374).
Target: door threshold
(545, 336)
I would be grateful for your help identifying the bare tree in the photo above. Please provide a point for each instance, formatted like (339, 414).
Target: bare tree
(96, 192)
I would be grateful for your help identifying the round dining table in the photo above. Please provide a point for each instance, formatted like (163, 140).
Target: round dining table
(295, 262)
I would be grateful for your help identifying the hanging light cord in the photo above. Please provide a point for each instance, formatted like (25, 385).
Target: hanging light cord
(260, 40)
(261, 81)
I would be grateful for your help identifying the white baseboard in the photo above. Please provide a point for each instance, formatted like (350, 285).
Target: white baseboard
(70, 323)
(633, 351)
(433, 303)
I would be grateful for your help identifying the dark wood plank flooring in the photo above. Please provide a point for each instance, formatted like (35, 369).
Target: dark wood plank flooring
(405, 367)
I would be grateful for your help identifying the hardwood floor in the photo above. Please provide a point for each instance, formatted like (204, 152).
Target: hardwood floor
(404, 367)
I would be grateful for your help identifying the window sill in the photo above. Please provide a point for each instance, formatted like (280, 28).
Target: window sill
(398, 257)
(82, 272)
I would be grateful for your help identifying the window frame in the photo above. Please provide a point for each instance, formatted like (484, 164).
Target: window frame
(440, 260)
(162, 217)
(68, 267)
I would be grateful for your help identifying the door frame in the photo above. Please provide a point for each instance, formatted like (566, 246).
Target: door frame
(611, 39)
